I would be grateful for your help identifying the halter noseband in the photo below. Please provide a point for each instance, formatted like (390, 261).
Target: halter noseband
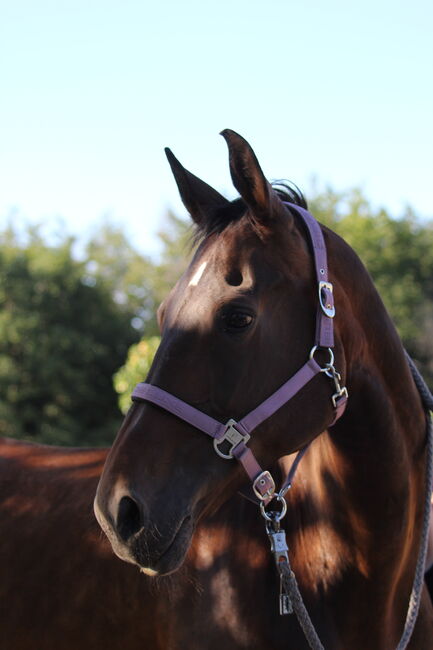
(234, 434)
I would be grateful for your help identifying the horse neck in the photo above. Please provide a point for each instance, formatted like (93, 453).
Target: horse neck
(384, 407)
(363, 480)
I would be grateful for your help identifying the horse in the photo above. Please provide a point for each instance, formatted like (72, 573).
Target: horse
(242, 320)
(61, 587)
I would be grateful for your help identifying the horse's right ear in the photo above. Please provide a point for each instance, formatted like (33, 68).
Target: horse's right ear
(249, 179)
(199, 198)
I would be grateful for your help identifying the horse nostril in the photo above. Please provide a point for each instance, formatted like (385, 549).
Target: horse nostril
(129, 520)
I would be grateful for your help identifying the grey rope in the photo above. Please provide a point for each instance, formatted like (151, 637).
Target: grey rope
(288, 577)
(423, 389)
(415, 597)
(291, 588)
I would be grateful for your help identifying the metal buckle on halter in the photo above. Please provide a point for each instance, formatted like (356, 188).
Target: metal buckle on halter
(337, 396)
(231, 435)
(326, 303)
(264, 479)
(340, 391)
(330, 371)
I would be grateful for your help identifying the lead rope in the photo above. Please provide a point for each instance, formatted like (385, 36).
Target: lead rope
(415, 597)
(290, 586)
(290, 596)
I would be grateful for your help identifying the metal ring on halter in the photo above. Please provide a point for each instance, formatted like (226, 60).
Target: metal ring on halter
(331, 358)
(273, 515)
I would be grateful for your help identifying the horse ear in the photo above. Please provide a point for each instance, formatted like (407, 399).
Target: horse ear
(248, 177)
(199, 198)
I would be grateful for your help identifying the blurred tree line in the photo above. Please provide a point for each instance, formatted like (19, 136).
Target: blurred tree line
(66, 324)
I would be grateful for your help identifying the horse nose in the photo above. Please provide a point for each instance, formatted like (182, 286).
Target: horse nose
(129, 518)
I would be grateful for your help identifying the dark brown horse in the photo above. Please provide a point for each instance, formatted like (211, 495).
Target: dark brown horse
(61, 587)
(237, 325)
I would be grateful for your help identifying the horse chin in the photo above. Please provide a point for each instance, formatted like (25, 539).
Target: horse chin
(154, 563)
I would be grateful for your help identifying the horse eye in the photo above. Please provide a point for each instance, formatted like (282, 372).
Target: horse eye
(237, 320)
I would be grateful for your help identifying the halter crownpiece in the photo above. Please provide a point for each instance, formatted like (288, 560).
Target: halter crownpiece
(230, 439)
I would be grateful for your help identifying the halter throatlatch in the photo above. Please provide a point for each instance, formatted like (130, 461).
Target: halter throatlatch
(230, 439)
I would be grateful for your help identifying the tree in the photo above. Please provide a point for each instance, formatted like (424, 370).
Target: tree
(111, 260)
(177, 248)
(135, 281)
(61, 339)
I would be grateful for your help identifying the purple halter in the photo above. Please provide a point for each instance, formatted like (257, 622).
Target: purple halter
(237, 434)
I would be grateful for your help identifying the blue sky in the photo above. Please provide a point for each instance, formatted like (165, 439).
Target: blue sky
(93, 90)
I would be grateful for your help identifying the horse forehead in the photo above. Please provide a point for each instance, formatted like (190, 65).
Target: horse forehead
(213, 266)
(206, 284)
(225, 267)
(234, 250)
(192, 304)
(203, 290)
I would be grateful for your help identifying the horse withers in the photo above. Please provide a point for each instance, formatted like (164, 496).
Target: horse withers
(240, 322)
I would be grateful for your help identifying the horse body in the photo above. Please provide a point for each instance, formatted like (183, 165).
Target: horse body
(61, 587)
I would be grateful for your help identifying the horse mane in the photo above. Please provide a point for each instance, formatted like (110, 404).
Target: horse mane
(223, 217)
(290, 193)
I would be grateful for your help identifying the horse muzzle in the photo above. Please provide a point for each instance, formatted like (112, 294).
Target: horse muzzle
(138, 538)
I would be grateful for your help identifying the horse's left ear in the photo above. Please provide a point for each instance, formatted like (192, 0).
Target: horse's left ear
(199, 198)
(249, 179)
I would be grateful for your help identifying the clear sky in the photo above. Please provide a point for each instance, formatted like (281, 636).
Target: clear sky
(92, 90)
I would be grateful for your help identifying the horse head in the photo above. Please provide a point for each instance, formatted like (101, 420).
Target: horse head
(237, 325)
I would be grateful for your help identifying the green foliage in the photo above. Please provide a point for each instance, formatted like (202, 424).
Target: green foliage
(140, 357)
(176, 254)
(137, 283)
(61, 340)
(111, 260)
